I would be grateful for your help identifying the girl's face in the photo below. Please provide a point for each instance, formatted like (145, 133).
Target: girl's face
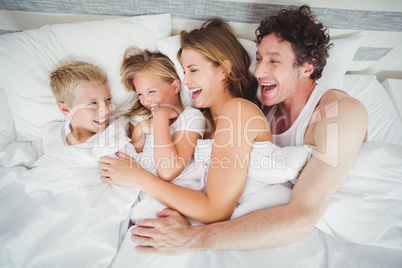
(153, 91)
(205, 81)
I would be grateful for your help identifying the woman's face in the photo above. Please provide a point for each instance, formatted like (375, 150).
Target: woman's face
(205, 81)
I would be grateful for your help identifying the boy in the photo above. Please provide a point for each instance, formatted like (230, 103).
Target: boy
(83, 96)
(68, 217)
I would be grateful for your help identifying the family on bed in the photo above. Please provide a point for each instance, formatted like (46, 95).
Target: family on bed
(228, 128)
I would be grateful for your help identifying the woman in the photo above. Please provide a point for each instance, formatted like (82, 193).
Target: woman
(216, 68)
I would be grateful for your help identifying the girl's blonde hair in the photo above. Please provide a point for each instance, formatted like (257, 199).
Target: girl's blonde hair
(136, 61)
(216, 41)
(65, 79)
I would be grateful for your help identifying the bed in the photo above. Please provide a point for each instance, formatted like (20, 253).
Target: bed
(43, 218)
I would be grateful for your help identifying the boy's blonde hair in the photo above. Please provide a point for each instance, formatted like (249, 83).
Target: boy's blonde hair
(137, 60)
(65, 79)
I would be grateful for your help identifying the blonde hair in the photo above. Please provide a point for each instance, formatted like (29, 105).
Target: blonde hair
(136, 61)
(216, 41)
(65, 79)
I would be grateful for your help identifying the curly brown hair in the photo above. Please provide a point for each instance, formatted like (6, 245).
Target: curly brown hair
(309, 39)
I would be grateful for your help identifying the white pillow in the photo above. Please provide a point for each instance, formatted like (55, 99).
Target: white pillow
(7, 132)
(340, 57)
(384, 123)
(27, 58)
(394, 89)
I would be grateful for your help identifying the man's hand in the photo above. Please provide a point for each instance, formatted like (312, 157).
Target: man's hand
(169, 234)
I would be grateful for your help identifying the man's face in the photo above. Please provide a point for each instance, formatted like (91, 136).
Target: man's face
(276, 70)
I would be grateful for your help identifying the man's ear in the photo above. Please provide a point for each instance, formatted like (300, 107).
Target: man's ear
(63, 108)
(176, 86)
(308, 68)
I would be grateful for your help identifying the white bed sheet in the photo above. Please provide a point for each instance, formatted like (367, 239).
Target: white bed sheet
(362, 227)
(60, 213)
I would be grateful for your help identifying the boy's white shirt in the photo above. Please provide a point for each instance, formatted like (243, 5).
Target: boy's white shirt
(105, 143)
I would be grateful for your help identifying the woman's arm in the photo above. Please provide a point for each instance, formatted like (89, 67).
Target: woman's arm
(337, 139)
(240, 124)
(171, 154)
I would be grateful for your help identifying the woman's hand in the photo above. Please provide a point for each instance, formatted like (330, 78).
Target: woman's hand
(120, 171)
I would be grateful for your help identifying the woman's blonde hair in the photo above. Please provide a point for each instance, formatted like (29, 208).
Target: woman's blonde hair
(137, 60)
(65, 79)
(216, 41)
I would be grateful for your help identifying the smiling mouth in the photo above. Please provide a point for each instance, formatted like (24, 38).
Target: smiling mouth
(153, 107)
(101, 121)
(267, 86)
(195, 92)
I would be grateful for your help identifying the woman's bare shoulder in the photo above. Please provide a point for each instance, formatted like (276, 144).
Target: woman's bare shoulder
(242, 106)
(249, 118)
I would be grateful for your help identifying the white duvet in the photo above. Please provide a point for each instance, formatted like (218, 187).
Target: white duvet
(60, 213)
(362, 227)
(73, 219)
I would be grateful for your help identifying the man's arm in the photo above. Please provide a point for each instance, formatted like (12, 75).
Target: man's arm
(338, 134)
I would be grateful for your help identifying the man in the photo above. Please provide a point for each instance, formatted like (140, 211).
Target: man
(291, 55)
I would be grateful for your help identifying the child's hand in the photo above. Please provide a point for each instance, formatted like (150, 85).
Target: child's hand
(167, 112)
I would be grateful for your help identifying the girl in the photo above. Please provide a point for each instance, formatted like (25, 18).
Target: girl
(170, 131)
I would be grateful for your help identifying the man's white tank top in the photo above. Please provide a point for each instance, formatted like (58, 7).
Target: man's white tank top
(294, 136)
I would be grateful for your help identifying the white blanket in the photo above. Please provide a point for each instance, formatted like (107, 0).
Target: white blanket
(60, 213)
(271, 169)
(362, 227)
(78, 221)
(367, 208)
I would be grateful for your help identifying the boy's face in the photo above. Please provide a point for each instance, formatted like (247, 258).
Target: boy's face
(90, 110)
